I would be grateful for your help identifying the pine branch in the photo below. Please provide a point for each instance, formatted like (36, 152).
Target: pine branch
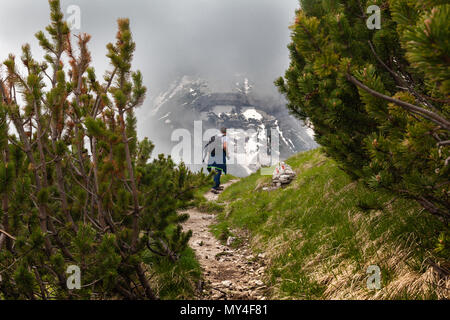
(445, 124)
(443, 143)
(7, 234)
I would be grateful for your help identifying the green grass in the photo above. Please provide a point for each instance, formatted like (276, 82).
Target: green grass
(323, 231)
(175, 280)
(221, 231)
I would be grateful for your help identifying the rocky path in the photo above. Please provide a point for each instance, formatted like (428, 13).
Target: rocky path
(228, 273)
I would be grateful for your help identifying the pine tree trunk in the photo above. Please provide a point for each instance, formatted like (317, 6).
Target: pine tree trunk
(98, 199)
(5, 208)
(60, 179)
(41, 207)
(132, 181)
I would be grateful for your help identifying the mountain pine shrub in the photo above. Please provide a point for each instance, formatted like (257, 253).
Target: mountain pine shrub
(378, 100)
(77, 188)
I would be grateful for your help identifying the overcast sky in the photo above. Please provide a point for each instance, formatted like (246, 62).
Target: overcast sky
(214, 39)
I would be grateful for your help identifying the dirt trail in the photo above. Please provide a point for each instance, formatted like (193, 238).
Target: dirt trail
(229, 274)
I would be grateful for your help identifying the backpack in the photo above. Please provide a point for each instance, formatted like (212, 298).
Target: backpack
(210, 147)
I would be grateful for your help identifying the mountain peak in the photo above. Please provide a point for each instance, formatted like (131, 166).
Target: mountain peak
(190, 99)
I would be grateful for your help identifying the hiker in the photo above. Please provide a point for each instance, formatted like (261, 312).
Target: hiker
(218, 158)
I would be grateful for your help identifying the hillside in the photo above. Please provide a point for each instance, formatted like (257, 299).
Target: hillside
(322, 232)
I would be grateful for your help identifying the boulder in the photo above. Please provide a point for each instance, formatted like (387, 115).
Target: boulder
(283, 175)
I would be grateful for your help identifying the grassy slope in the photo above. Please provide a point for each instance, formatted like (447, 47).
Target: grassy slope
(323, 231)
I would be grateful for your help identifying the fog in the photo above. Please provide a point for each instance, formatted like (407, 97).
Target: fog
(218, 40)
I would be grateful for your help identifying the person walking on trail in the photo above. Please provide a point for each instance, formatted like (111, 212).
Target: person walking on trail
(218, 158)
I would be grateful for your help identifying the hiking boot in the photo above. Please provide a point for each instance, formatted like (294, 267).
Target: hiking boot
(215, 191)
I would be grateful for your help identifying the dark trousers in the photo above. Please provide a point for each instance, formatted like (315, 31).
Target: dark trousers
(217, 178)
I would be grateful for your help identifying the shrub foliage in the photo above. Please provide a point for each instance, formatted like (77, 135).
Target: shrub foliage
(77, 187)
(378, 100)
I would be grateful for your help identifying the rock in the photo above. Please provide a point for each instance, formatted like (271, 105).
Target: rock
(226, 283)
(258, 282)
(283, 174)
(285, 178)
(230, 240)
(200, 285)
(262, 255)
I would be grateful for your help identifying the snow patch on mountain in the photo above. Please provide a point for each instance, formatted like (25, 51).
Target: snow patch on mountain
(251, 113)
